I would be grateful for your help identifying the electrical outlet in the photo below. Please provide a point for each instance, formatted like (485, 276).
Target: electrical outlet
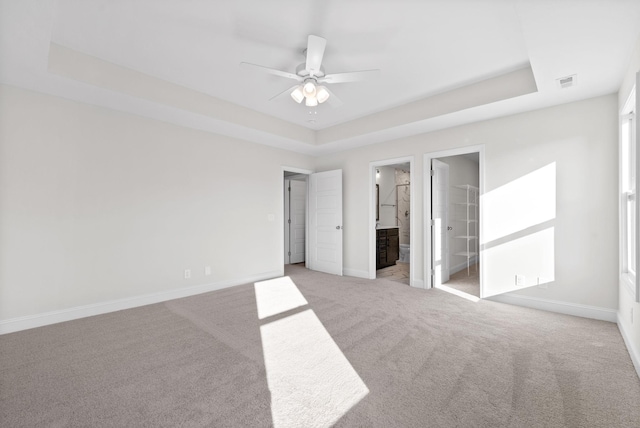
(520, 280)
(207, 270)
(187, 273)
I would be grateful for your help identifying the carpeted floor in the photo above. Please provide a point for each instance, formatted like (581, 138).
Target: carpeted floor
(466, 281)
(343, 351)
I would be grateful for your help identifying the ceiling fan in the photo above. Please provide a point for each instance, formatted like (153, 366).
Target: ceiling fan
(310, 76)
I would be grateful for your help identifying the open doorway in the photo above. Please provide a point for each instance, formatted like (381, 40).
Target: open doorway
(453, 228)
(312, 219)
(295, 195)
(392, 220)
(462, 231)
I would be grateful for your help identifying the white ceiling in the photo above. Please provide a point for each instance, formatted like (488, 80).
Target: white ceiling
(423, 48)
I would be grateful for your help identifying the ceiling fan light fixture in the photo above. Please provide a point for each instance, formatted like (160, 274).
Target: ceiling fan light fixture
(311, 102)
(297, 94)
(322, 94)
(309, 89)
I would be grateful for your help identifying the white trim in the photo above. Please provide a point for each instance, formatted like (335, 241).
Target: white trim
(297, 170)
(418, 283)
(633, 353)
(357, 273)
(54, 317)
(372, 213)
(584, 311)
(628, 284)
(426, 206)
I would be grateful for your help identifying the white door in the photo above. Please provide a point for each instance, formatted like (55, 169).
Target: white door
(440, 217)
(297, 206)
(325, 222)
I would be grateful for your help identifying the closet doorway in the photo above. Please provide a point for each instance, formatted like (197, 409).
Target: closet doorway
(452, 198)
(391, 220)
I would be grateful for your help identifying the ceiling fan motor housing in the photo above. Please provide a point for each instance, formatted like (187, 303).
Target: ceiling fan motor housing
(303, 72)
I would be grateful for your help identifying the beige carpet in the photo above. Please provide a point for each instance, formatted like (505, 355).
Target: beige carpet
(466, 281)
(343, 351)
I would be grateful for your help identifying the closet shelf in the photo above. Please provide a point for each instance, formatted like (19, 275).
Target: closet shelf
(467, 187)
(470, 218)
(466, 253)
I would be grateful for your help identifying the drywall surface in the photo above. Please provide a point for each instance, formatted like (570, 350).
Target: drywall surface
(577, 140)
(99, 205)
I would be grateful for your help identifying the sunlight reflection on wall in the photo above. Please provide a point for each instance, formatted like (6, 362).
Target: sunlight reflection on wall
(520, 204)
(518, 236)
(312, 383)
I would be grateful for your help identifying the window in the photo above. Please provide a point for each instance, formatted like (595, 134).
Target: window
(628, 188)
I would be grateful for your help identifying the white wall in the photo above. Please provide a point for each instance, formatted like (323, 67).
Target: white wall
(386, 181)
(99, 205)
(627, 304)
(581, 138)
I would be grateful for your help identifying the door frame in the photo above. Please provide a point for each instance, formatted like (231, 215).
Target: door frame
(287, 206)
(427, 244)
(372, 213)
(282, 215)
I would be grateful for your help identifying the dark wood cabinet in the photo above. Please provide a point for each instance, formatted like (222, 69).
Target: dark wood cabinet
(388, 247)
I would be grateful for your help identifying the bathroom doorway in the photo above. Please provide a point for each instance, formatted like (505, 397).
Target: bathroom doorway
(391, 213)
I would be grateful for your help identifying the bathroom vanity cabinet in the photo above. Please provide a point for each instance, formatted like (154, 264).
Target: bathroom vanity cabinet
(388, 247)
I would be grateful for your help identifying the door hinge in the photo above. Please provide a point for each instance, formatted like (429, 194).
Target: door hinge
(433, 272)
(289, 252)
(289, 188)
(433, 173)
(433, 222)
(289, 221)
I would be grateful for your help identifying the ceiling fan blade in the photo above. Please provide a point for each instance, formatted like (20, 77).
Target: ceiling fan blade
(249, 66)
(283, 93)
(315, 52)
(352, 76)
(333, 100)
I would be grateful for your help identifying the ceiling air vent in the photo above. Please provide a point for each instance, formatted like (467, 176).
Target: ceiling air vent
(567, 81)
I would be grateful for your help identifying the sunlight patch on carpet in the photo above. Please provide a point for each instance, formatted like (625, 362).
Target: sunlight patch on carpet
(312, 383)
(458, 293)
(276, 296)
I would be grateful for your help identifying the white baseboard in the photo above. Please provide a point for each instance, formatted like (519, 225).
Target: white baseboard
(633, 352)
(356, 273)
(54, 317)
(463, 266)
(574, 309)
(417, 283)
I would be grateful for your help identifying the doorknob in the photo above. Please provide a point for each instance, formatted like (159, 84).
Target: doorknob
(449, 228)
(338, 227)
